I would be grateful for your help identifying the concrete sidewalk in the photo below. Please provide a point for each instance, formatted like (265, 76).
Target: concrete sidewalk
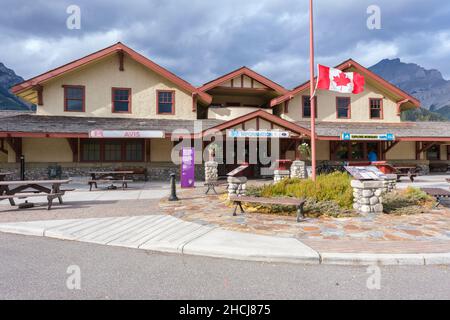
(169, 234)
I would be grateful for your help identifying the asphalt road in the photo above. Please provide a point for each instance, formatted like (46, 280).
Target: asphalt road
(36, 268)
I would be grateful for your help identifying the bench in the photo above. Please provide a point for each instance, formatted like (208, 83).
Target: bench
(404, 171)
(135, 171)
(297, 203)
(438, 194)
(211, 185)
(50, 197)
(95, 182)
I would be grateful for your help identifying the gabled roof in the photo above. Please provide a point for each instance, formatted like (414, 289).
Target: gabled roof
(365, 72)
(262, 115)
(243, 71)
(118, 47)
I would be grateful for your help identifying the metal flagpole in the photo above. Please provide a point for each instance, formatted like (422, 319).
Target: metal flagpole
(311, 91)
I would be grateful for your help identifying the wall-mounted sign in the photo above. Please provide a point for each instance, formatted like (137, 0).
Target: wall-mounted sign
(126, 134)
(258, 134)
(366, 173)
(381, 137)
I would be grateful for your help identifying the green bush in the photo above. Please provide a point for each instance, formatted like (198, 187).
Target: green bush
(408, 201)
(333, 187)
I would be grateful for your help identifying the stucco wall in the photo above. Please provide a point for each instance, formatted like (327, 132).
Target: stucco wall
(405, 150)
(231, 112)
(160, 150)
(360, 111)
(99, 78)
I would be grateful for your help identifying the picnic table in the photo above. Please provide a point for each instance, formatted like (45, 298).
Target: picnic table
(33, 188)
(3, 175)
(406, 171)
(109, 177)
(439, 194)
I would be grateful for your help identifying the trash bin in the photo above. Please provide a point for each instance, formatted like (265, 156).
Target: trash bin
(54, 172)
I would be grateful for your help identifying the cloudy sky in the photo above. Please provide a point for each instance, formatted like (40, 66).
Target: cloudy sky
(202, 39)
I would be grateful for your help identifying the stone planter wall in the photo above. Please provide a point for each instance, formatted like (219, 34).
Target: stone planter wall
(279, 175)
(298, 170)
(211, 171)
(368, 196)
(237, 186)
(390, 184)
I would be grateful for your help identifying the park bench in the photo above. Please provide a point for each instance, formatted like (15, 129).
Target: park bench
(135, 171)
(404, 171)
(439, 194)
(50, 197)
(297, 203)
(109, 181)
(110, 177)
(211, 185)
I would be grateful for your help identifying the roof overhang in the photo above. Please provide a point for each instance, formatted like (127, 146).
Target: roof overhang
(26, 88)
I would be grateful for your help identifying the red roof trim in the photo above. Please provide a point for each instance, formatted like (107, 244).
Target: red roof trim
(343, 66)
(118, 47)
(240, 72)
(263, 115)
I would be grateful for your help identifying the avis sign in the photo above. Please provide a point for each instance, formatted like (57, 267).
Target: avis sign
(379, 137)
(126, 134)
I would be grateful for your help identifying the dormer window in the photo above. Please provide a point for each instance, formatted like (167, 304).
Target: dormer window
(343, 108)
(74, 98)
(376, 108)
(166, 102)
(121, 100)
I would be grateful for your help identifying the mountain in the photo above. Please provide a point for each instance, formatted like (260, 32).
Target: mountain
(429, 86)
(8, 101)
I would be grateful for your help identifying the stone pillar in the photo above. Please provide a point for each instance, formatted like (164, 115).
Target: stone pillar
(279, 175)
(368, 196)
(390, 184)
(211, 171)
(237, 186)
(298, 169)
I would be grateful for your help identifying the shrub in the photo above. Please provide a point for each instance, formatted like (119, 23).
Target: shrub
(333, 187)
(408, 201)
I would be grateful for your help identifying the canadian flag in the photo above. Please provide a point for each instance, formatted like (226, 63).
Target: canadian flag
(336, 80)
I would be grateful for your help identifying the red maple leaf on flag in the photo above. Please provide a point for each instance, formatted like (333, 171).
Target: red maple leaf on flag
(342, 80)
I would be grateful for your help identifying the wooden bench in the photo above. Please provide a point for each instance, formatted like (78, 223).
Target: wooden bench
(404, 171)
(50, 197)
(135, 171)
(211, 185)
(438, 194)
(297, 203)
(95, 182)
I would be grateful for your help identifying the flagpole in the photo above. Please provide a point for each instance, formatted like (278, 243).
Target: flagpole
(311, 91)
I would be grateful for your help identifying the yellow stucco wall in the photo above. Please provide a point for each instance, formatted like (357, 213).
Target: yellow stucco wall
(326, 107)
(231, 112)
(100, 77)
(3, 157)
(161, 150)
(404, 150)
(323, 150)
(46, 150)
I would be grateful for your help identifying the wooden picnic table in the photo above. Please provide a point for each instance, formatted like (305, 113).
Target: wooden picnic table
(3, 175)
(33, 188)
(109, 177)
(439, 194)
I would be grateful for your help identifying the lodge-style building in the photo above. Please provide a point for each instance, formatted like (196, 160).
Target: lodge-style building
(118, 89)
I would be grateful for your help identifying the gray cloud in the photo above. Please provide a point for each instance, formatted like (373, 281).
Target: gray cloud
(202, 39)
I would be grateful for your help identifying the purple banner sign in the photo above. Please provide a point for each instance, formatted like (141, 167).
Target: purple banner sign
(187, 168)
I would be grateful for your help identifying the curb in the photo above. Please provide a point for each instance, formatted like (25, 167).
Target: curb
(219, 243)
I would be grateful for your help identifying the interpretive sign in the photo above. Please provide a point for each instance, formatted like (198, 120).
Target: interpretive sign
(366, 173)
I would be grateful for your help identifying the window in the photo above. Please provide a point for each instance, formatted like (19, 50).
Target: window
(112, 150)
(90, 150)
(354, 151)
(343, 108)
(376, 108)
(434, 153)
(306, 106)
(74, 98)
(121, 100)
(166, 101)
